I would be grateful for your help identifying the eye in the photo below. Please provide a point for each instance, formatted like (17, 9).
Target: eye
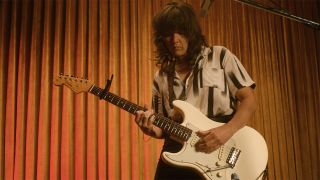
(181, 31)
(167, 34)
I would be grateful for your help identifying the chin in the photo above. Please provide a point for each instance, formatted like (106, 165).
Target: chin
(179, 55)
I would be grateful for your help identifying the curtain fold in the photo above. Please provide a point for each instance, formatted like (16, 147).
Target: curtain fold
(49, 132)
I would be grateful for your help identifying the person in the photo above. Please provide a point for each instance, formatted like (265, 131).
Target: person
(212, 79)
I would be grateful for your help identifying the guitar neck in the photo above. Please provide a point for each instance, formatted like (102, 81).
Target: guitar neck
(166, 124)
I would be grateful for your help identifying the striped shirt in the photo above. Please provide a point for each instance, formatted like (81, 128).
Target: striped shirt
(211, 86)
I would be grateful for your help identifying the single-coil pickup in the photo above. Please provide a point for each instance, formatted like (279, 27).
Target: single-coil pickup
(233, 156)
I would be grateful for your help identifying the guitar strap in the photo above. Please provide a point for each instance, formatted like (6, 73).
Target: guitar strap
(222, 119)
(264, 174)
(170, 79)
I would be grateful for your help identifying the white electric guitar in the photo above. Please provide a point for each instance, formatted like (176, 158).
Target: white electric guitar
(243, 157)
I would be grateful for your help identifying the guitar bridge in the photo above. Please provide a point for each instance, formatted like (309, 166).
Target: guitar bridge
(233, 157)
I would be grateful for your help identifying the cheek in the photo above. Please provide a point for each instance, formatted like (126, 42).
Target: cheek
(185, 44)
(184, 41)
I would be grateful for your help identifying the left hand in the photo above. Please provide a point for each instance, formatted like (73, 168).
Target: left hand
(212, 139)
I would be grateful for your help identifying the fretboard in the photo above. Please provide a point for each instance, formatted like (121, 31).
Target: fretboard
(166, 124)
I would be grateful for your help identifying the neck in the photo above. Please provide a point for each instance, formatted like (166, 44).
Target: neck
(182, 66)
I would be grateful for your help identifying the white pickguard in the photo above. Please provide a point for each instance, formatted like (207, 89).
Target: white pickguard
(250, 164)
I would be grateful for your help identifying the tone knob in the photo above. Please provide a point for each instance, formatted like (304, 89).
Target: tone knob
(218, 163)
(219, 174)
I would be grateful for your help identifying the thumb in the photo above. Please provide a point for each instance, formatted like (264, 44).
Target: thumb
(202, 133)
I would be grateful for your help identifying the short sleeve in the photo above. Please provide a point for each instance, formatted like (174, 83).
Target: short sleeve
(236, 75)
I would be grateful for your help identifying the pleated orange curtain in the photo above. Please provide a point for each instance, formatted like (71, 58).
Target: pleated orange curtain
(49, 132)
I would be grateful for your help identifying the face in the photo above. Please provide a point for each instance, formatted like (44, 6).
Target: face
(177, 44)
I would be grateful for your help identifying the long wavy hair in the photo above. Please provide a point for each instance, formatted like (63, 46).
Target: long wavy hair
(177, 17)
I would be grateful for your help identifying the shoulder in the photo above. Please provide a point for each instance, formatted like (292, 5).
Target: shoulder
(217, 51)
(223, 54)
(159, 75)
(216, 56)
(221, 51)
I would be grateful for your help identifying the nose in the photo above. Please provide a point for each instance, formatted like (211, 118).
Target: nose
(175, 37)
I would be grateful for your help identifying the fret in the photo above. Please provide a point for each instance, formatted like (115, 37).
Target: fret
(174, 130)
(166, 124)
(186, 135)
(111, 100)
(156, 121)
(118, 102)
(132, 110)
(124, 102)
(169, 126)
(98, 93)
(124, 106)
(107, 97)
(129, 109)
(161, 124)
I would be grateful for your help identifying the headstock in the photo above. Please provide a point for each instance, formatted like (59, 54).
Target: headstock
(75, 84)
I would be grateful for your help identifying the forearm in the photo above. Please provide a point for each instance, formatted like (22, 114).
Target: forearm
(245, 111)
(213, 138)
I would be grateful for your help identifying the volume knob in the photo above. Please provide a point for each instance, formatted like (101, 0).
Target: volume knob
(218, 164)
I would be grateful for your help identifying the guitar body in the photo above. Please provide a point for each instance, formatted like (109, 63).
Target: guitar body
(250, 162)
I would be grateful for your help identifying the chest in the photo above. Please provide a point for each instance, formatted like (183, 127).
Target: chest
(183, 75)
